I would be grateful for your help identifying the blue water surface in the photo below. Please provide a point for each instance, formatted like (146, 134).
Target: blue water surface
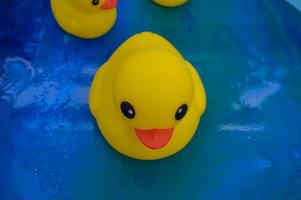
(248, 144)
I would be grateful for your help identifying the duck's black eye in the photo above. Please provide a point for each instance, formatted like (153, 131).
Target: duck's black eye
(127, 109)
(181, 112)
(95, 2)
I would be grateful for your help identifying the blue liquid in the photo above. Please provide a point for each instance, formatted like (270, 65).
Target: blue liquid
(248, 144)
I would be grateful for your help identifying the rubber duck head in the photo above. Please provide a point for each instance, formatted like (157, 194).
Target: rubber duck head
(95, 5)
(154, 98)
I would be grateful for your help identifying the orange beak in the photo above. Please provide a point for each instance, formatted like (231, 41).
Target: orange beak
(109, 4)
(154, 138)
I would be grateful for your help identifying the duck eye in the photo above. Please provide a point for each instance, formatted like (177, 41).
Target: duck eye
(181, 112)
(127, 109)
(95, 2)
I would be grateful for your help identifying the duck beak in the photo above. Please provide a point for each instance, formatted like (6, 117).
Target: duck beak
(154, 138)
(109, 4)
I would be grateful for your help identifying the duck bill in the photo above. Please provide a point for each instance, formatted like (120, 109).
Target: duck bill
(154, 138)
(109, 4)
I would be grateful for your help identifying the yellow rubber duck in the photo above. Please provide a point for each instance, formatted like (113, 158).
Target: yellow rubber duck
(85, 18)
(147, 99)
(170, 3)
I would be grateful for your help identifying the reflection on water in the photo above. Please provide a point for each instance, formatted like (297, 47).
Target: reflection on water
(247, 145)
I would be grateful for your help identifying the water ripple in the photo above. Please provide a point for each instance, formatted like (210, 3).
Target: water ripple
(254, 97)
(241, 128)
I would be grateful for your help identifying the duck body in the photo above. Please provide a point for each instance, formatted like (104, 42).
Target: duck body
(170, 3)
(84, 18)
(147, 99)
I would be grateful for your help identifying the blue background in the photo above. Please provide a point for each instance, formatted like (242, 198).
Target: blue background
(248, 144)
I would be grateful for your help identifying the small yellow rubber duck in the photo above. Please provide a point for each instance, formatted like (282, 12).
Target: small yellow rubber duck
(170, 3)
(147, 99)
(85, 18)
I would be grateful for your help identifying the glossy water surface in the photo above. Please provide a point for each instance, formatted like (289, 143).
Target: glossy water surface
(248, 144)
